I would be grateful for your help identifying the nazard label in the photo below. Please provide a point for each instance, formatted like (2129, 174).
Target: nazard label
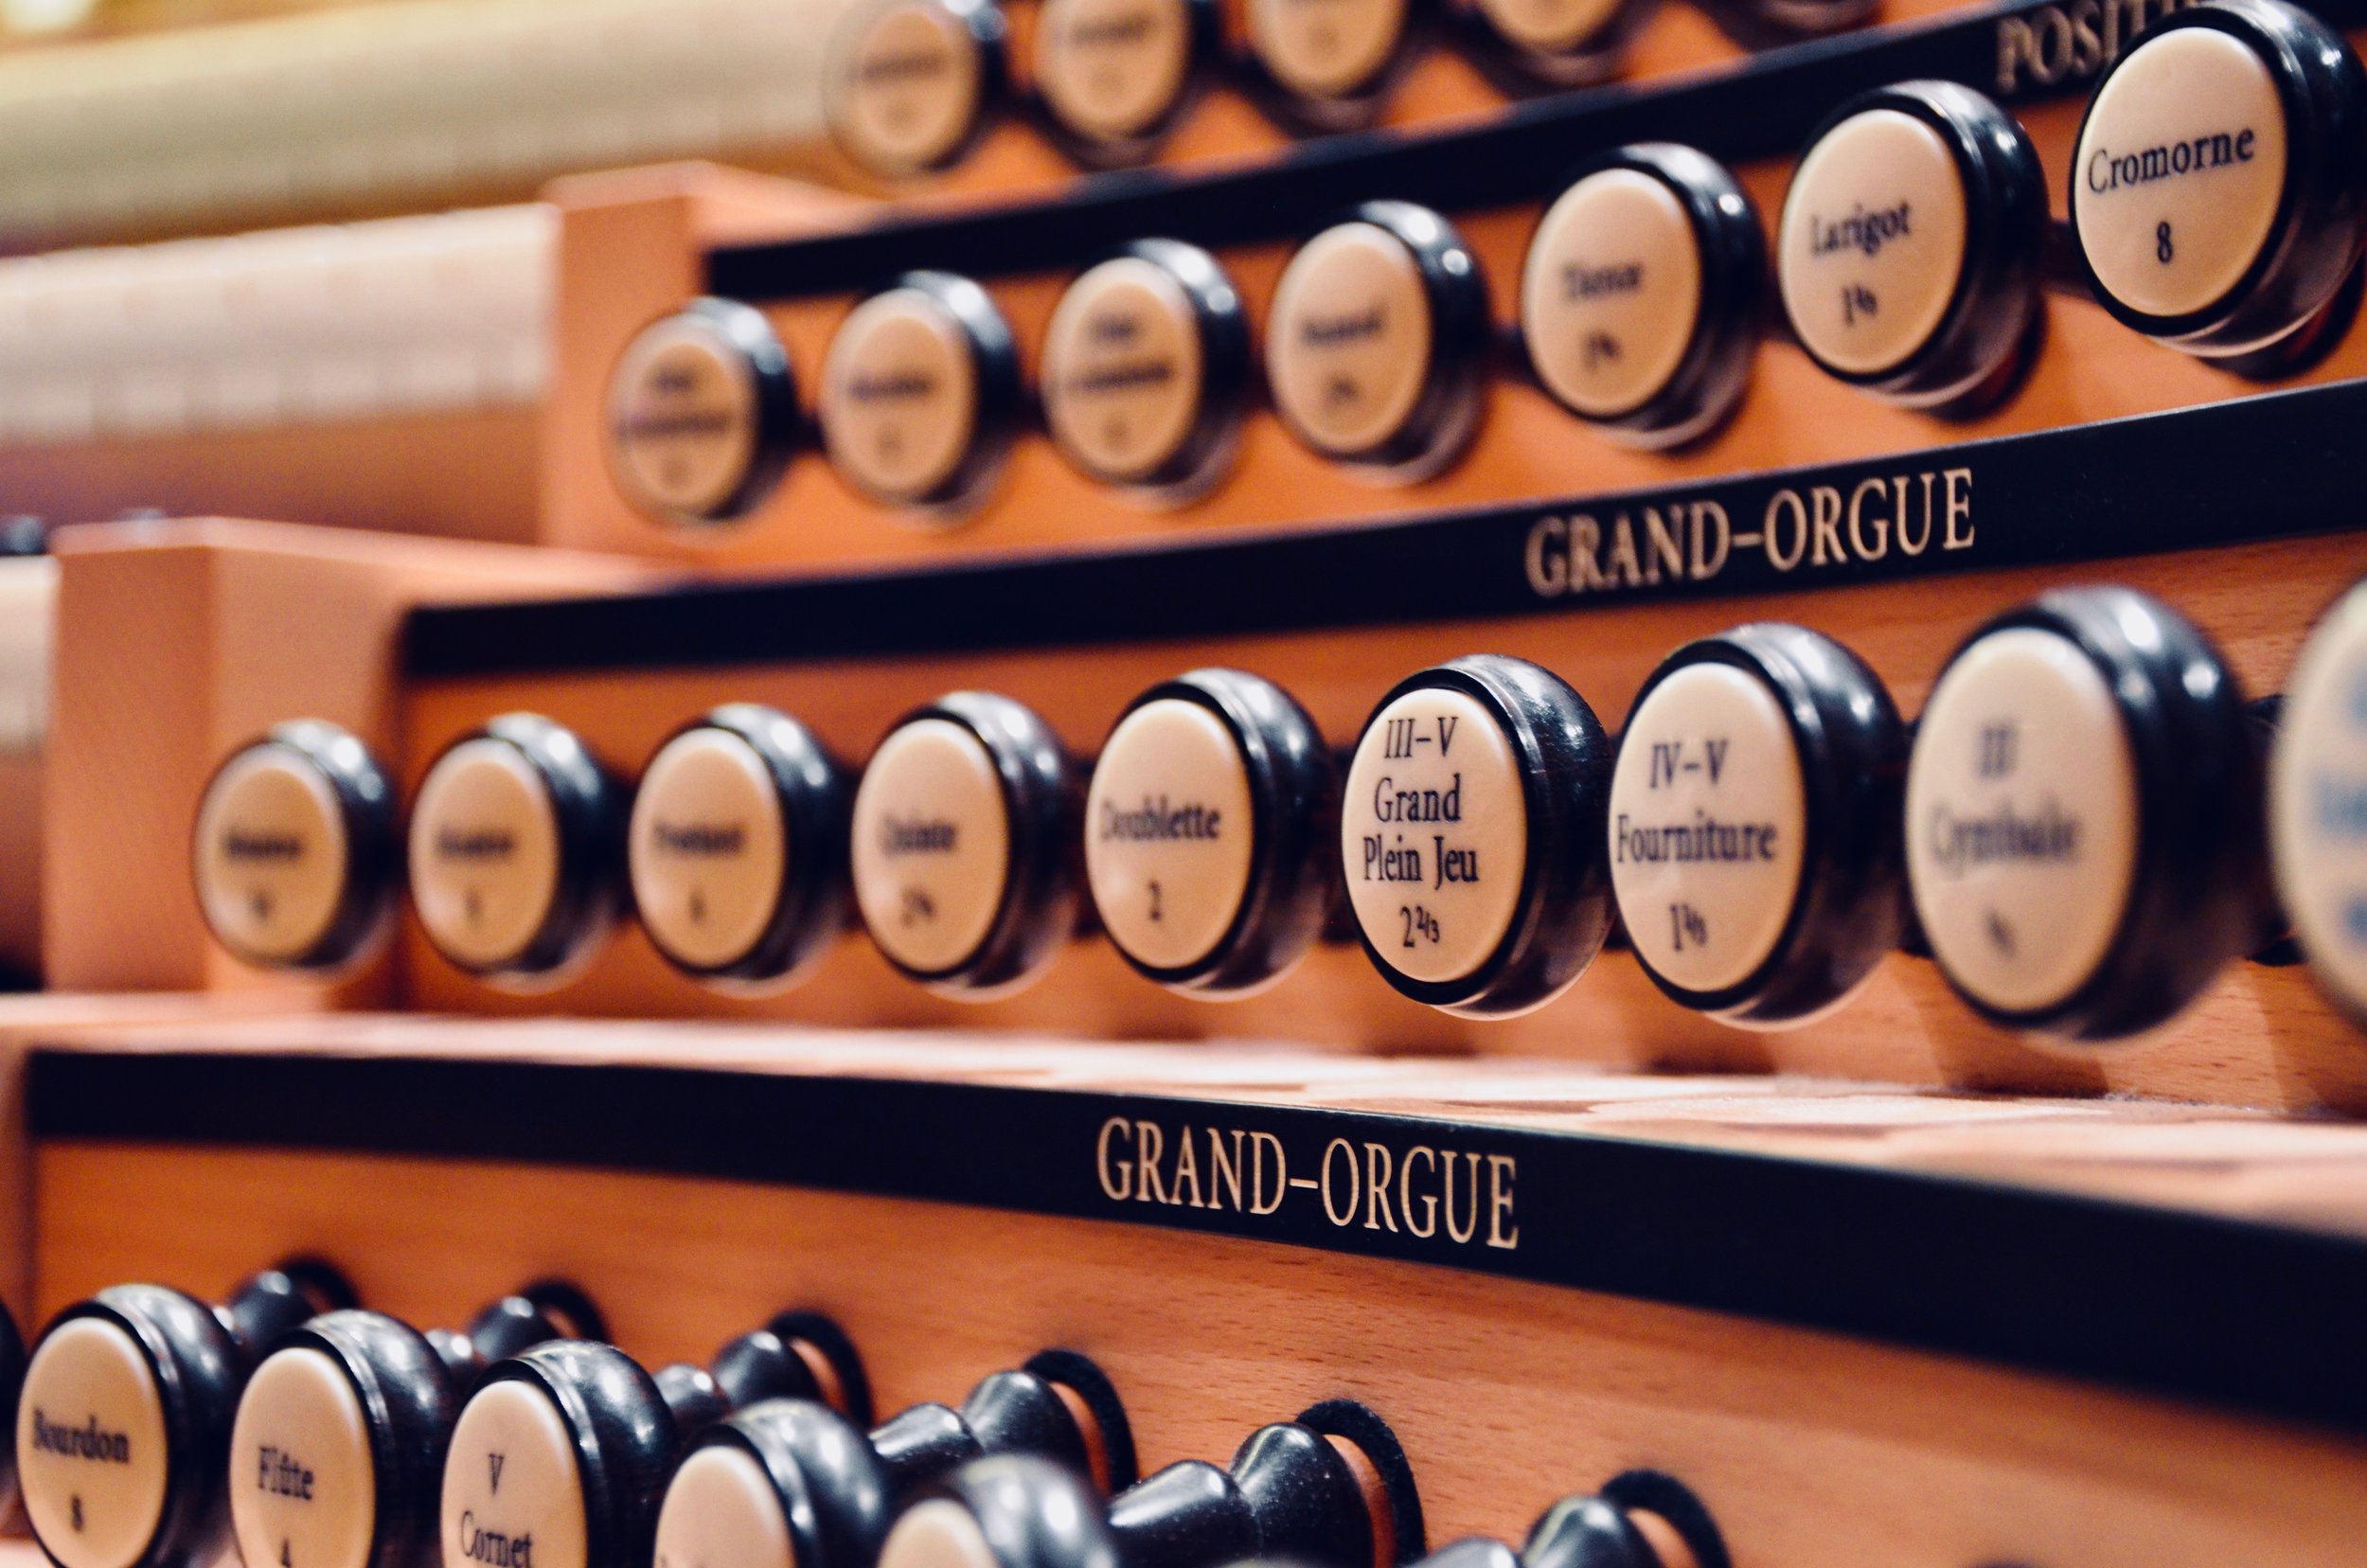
(1903, 518)
(1397, 1184)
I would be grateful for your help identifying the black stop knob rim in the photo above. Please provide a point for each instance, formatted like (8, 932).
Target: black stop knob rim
(1000, 400)
(1294, 807)
(1997, 296)
(366, 813)
(1521, 70)
(1203, 67)
(1849, 909)
(409, 1401)
(198, 1372)
(990, 34)
(2321, 222)
(835, 1497)
(624, 1436)
(1227, 357)
(1034, 1512)
(1446, 416)
(1355, 1422)
(2201, 856)
(747, 335)
(1714, 370)
(1043, 807)
(1563, 911)
(587, 808)
(1356, 107)
(816, 800)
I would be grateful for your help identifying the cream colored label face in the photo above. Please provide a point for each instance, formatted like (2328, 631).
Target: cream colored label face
(1872, 242)
(932, 845)
(1169, 833)
(722, 1511)
(484, 853)
(1708, 823)
(937, 1534)
(512, 1495)
(2318, 802)
(270, 855)
(2022, 820)
(1122, 369)
(708, 849)
(1348, 345)
(682, 419)
(90, 1445)
(1433, 834)
(906, 82)
(1548, 26)
(2179, 171)
(303, 1486)
(1611, 292)
(1112, 68)
(1325, 48)
(899, 396)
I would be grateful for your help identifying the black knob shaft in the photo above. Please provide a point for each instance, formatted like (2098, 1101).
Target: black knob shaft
(1290, 1493)
(793, 1484)
(1642, 1518)
(565, 1450)
(124, 1421)
(338, 1450)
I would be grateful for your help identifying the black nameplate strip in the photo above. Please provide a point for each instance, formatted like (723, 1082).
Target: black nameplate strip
(2253, 1316)
(2177, 481)
(2019, 51)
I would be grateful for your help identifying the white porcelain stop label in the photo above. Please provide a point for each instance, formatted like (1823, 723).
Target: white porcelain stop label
(513, 1497)
(1548, 26)
(937, 1534)
(2318, 802)
(932, 845)
(1611, 292)
(906, 82)
(91, 1456)
(1708, 826)
(899, 396)
(484, 853)
(2022, 820)
(708, 850)
(1349, 344)
(1123, 374)
(1169, 833)
(272, 855)
(723, 1511)
(682, 419)
(1325, 48)
(2179, 171)
(1872, 242)
(1112, 68)
(1433, 834)
(303, 1481)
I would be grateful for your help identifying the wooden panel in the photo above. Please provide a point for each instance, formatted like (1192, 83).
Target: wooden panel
(177, 642)
(1813, 1449)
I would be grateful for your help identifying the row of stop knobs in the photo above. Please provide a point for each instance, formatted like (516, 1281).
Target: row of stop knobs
(2077, 827)
(317, 1435)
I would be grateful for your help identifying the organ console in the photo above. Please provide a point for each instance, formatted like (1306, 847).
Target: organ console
(1492, 770)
